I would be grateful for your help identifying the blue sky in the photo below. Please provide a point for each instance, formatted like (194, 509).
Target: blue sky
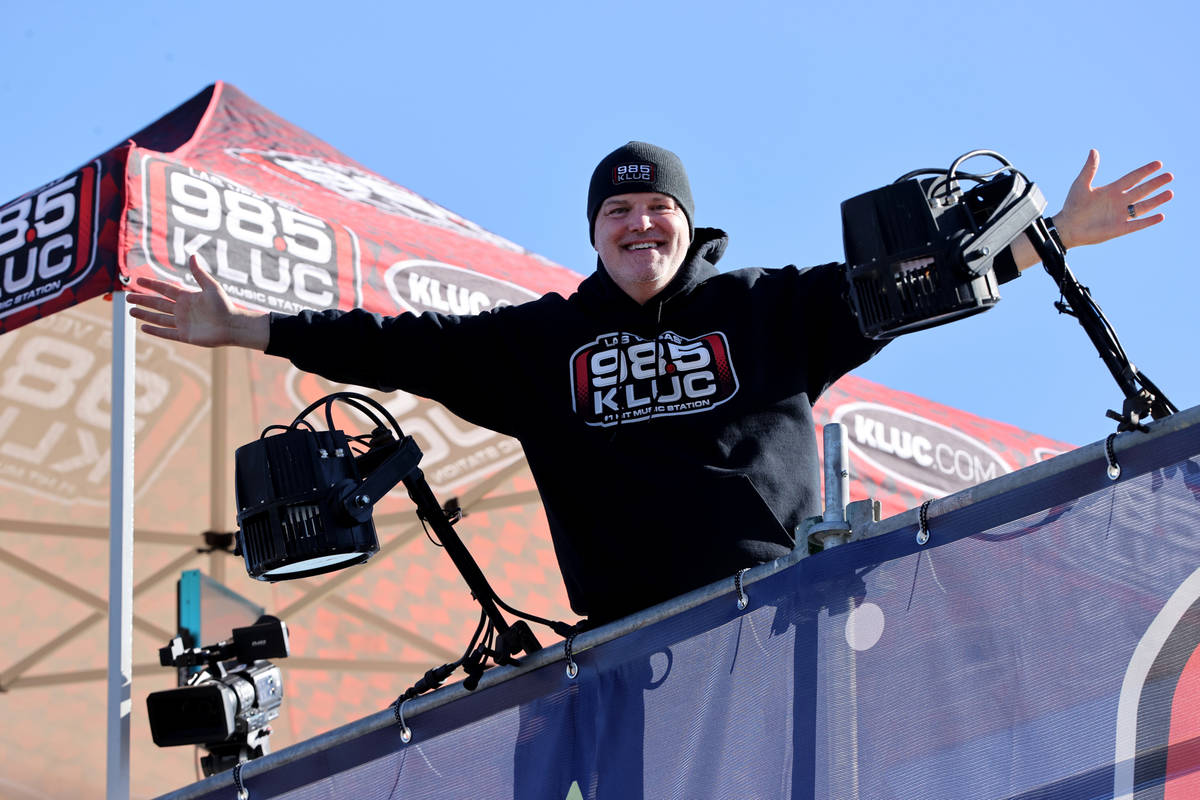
(780, 112)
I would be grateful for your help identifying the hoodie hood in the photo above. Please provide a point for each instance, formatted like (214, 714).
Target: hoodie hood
(599, 290)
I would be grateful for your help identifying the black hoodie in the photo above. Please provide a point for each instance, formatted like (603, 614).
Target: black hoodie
(672, 442)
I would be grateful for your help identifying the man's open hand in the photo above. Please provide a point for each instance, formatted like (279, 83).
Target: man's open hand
(206, 317)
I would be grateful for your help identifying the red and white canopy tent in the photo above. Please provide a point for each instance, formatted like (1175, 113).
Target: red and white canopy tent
(285, 222)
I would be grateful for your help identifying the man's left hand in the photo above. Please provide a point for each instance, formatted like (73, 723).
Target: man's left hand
(1094, 214)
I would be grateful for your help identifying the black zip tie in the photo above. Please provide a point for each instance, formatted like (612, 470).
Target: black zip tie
(743, 598)
(572, 667)
(405, 731)
(242, 792)
(923, 528)
(1114, 469)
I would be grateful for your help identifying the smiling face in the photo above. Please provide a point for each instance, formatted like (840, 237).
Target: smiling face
(642, 239)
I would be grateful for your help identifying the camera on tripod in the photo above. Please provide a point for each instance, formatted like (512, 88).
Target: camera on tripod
(227, 705)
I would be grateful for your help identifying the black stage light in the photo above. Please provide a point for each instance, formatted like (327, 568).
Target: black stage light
(305, 499)
(291, 491)
(227, 706)
(920, 252)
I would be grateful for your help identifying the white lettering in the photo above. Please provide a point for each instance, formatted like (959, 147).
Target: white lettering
(418, 289)
(14, 224)
(603, 400)
(689, 356)
(436, 300)
(631, 398)
(864, 431)
(51, 200)
(249, 219)
(316, 298)
(183, 249)
(905, 444)
(283, 278)
(631, 378)
(12, 283)
(197, 202)
(459, 299)
(47, 270)
(299, 227)
(921, 447)
(694, 384)
(983, 473)
(962, 464)
(224, 270)
(901, 442)
(675, 393)
(881, 437)
(942, 452)
(607, 368)
(644, 357)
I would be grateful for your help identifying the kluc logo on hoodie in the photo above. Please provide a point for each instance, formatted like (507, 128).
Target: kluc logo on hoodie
(620, 378)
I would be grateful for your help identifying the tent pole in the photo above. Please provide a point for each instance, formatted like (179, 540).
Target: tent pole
(217, 502)
(120, 561)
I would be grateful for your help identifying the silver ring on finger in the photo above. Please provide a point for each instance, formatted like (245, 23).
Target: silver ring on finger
(1132, 211)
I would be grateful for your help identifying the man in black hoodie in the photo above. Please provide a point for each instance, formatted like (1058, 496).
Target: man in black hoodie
(665, 408)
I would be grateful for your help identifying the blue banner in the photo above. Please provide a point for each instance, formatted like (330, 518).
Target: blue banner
(1051, 655)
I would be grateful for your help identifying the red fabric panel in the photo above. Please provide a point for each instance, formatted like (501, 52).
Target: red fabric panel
(1183, 754)
(59, 242)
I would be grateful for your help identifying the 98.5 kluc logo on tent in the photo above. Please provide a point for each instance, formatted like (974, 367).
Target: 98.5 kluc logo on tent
(264, 253)
(48, 240)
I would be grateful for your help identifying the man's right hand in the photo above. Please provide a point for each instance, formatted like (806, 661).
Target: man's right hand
(206, 317)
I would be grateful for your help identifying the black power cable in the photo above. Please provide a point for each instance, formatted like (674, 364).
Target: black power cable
(494, 638)
(1142, 398)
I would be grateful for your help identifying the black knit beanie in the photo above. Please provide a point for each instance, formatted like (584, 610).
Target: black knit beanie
(639, 167)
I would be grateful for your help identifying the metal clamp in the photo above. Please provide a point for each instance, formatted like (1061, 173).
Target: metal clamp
(572, 667)
(832, 529)
(242, 792)
(743, 598)
(405, 731)
(1114, 469)
(923, 527)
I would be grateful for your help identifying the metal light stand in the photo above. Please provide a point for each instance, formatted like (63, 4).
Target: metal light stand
(399, 463)
(388, 461)
(833, 528)
(514, 638)
(1142, 398)
(842, 520)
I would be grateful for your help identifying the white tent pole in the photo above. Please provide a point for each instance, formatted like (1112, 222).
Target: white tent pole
(120, 561)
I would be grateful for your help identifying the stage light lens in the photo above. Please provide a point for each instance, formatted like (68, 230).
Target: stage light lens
(314, 566)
